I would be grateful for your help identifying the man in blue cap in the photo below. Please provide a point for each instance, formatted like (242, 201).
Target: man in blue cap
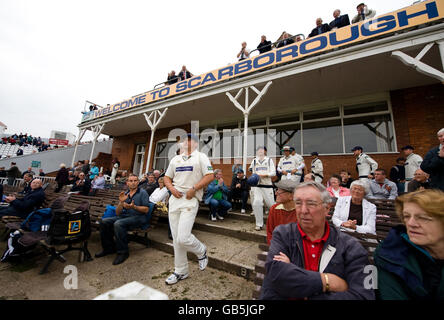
(412, 163)
(365, 165)
(264, 167)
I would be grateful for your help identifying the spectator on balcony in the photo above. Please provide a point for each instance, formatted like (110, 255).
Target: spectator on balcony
(320, 28)
(264, 45)
(62, 177)
(381, 187)
(339, 21)
(217, 197)
(353, 212)
(364, 13)
(244, 53)
(420, 181)
(283, 211)
(30, 202)
(82, 185)
(335, 188)
(239, 189)
(13, 173)
(184, 74)
(32, 173)
(433, 163)
(94, 171)
(172, 78)
(286, 40)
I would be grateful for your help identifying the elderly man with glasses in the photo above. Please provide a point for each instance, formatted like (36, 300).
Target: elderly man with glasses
(311, 259)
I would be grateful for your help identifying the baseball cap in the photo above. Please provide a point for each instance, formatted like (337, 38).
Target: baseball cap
(407, 147)
(286, 148)
(357, 148)
(314, 153)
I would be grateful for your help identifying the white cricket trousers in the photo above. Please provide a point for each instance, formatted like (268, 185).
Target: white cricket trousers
(293, 177)
(181, 215)
(261, 195)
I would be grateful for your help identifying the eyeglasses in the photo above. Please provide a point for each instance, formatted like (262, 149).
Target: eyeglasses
(417, 218)
(309, 204)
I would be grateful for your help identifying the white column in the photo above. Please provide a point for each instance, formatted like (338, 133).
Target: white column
(246, 109)
(153, 120)
(81, 134)
(97, 130)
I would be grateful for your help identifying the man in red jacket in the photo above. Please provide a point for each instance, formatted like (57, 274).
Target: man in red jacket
(283, 211)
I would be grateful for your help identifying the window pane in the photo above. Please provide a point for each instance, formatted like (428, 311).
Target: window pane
(319, 114)
(289, 135)
(286, 118)
(373, 133)
(323, 137)
(232, 125)
(366, 108)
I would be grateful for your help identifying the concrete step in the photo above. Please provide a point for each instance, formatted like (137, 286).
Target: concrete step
(225, 253)
(235, 213)
(230, 227)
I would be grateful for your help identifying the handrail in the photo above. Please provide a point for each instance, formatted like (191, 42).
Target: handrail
(274, 44)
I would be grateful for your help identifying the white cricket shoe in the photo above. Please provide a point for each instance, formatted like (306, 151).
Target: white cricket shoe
(175, 277)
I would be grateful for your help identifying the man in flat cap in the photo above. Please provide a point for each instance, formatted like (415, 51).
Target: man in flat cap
(283, 211)
(412, 163)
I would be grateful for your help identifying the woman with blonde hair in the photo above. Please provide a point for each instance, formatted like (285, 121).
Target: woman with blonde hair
(410, 260)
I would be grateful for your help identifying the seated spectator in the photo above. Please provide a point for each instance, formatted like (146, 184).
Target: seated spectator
(20, 152)
(420, 181)
(216, 197)
(339, 21)
(123, 178)
(41, 173)
(264, 45)
(320, 28)
(353, 212)
(172, 78)
(244, 53)
(32, 173)
(98, 182)
(293, 267)
(62, 177)
(157, 175)
(2, 172)
(160, 194)
(30, 202)
(184, 73)
(149, 184)
(346, 179)
(410, 260)
(237, 167)
(335, 188)
(309, 177)
(364, 13)
(133, 211)
(239, 189)
(93, 171)
(27, 179)
(381, 187)
(283, 211)
(397, 174)
(286, 40)
(82, 185)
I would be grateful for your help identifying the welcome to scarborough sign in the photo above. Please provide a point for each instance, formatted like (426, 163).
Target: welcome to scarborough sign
(420, 13)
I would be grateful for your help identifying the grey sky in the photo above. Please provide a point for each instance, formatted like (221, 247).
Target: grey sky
(54, 55)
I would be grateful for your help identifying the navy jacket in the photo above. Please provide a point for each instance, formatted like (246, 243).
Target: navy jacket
(324, 28)
(30, 202)
(340, 22)
(292, 280)
(433, 164)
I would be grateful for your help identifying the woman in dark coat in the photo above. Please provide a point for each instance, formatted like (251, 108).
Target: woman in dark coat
(62, 177)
